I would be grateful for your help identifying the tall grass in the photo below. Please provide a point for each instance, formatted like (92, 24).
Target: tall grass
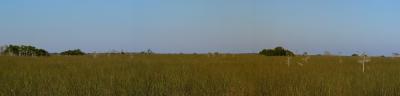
(198, 75)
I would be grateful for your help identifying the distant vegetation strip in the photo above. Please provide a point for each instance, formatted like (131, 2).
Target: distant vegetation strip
(28, 50)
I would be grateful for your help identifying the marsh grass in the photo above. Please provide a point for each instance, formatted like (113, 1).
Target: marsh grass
(198, 75)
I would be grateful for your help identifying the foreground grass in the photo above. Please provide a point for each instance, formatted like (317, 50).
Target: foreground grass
(202, 75)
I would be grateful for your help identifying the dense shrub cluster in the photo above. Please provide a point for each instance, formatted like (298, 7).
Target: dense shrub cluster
(278, 51)
(73, 52)
(23, 50)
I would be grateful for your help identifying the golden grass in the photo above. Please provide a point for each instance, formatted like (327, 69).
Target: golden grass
(198, 75)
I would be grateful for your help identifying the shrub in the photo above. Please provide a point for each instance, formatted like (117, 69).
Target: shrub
(73, 52)
(278, 51)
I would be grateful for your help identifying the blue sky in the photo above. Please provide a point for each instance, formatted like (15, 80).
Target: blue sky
(236, 26)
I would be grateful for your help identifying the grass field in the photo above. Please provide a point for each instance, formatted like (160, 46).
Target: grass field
(198, 75)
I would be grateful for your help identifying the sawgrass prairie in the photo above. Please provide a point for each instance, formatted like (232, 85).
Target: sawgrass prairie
(198, 75)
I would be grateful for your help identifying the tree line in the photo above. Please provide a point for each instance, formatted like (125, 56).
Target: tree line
(28, 50)
(23, 50)
(280, 51)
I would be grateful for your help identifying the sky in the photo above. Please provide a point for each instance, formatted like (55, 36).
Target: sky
(188, 26)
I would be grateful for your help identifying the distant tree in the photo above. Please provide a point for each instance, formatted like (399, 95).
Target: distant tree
(354, 54)
(73, 52)
(267, 52)
(147, 52)
(42, 52)
(24, 50)
(278, 51)
(216, 53)
(12, 50)
(305, 54)
(122, 52)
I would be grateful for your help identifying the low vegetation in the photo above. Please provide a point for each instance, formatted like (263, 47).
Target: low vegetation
(213, 74)
(201, 75)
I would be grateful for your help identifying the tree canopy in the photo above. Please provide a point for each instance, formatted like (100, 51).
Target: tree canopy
(73, 52)
(277, 51)
(23, 50)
